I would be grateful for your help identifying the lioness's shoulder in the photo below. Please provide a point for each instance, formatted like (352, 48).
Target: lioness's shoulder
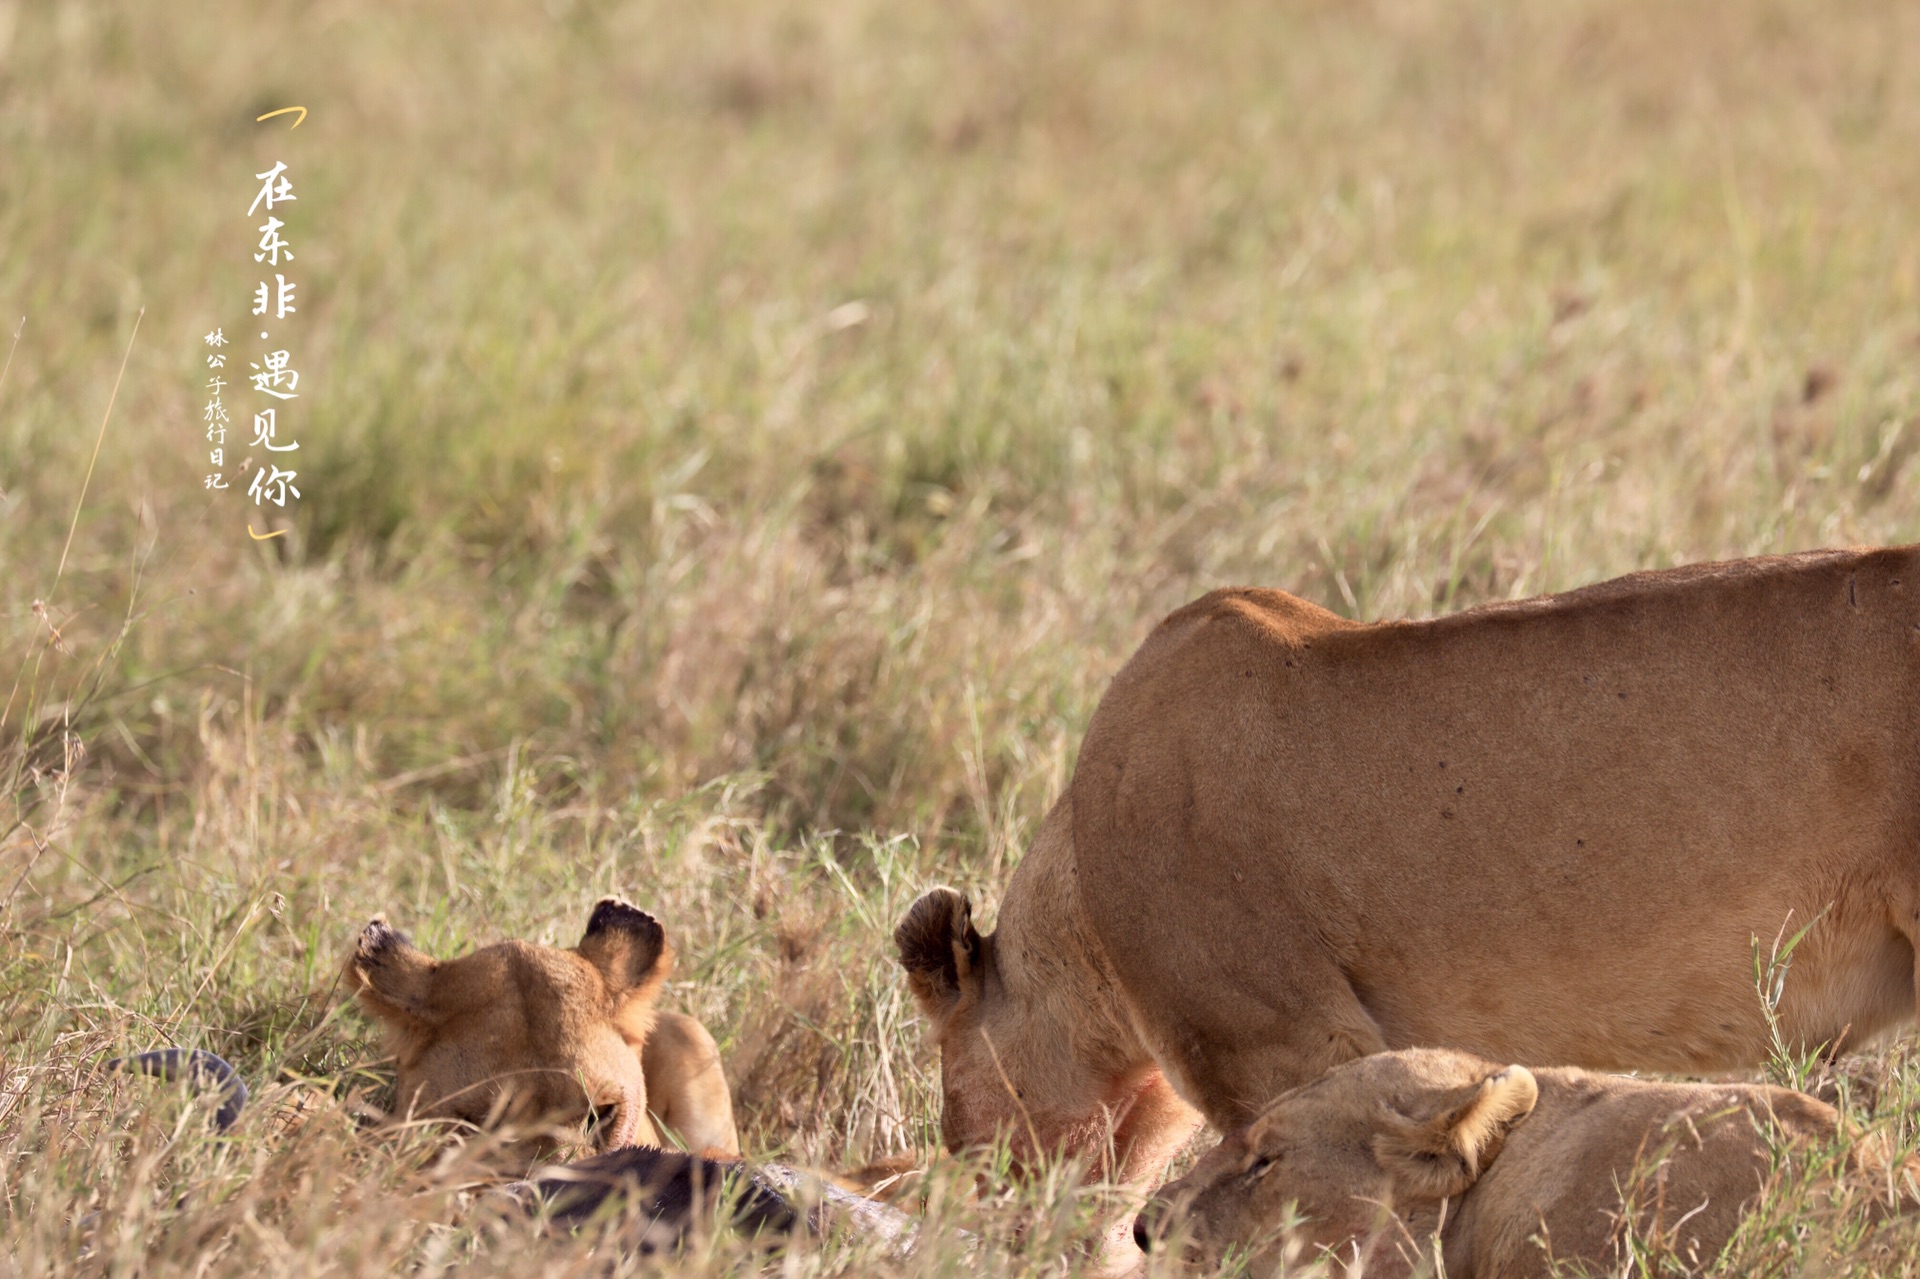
(1270, 614)
(1238, 628)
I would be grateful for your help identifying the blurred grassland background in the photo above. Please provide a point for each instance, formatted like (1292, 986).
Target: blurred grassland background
(739, 441)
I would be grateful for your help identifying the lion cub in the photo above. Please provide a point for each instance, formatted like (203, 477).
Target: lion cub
(1513, 1169)
(526, 1034)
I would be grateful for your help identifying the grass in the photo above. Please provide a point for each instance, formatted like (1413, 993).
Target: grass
(742, 440)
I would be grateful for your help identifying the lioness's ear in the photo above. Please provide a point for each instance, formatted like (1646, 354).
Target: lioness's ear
(393, 979)
(1441, 1148)
(939, 949)
(629, 948)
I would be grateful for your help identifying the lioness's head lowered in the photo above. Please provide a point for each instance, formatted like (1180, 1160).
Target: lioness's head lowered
(1036, 1055)
(945, 959)
(521, 1033)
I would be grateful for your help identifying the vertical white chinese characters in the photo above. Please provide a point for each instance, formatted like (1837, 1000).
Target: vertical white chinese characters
(274, 379)
(274, 376)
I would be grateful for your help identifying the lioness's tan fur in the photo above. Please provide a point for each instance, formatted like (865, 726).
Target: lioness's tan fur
(1542, 831)
(1532, 1167)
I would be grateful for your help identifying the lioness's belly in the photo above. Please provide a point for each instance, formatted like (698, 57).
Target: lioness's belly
(1548, 832)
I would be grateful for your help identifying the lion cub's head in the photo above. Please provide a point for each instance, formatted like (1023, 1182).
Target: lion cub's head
(520, 1033)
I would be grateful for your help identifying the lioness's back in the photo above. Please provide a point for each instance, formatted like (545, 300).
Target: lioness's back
(1546, 830)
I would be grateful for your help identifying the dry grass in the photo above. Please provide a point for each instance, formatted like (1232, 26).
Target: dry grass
(742, 440)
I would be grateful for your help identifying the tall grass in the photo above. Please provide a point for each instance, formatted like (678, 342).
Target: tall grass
(742, 440)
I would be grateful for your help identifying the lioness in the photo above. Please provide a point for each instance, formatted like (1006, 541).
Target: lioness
(1540, 831)
(1513, 1169)
(523, 1033)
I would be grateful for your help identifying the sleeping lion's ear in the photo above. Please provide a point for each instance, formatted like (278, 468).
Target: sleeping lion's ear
(939, 949)
(1438, 1147)
(393, 979)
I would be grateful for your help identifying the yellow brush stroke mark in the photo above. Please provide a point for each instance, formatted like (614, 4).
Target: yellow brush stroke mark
(261, 537)
(283, 111)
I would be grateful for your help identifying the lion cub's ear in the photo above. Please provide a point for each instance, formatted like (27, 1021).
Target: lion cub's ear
(394, 980)
(629, 947)
(939, 949)
(1442, 1147)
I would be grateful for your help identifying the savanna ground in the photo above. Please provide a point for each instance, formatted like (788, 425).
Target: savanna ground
(740, 440)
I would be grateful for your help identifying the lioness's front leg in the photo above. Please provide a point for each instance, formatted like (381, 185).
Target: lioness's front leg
(1264, 1027)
